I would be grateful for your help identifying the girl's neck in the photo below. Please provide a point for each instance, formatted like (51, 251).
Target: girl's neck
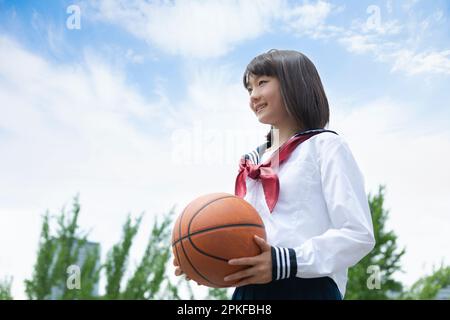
(281, 135)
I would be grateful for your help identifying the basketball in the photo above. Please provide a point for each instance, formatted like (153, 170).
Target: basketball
(211, 230)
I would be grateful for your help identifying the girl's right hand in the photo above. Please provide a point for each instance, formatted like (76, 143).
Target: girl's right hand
(179, 272)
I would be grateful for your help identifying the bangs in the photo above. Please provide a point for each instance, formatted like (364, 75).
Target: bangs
(262, 65)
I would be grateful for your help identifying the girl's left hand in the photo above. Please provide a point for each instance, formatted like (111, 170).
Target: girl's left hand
(260, 270)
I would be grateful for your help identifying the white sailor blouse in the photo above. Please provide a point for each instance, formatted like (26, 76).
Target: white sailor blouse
(313, 204)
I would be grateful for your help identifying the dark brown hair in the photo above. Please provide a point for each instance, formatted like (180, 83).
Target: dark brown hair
(301, 88)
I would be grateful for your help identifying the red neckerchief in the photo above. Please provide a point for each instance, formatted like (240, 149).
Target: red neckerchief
(264, 171)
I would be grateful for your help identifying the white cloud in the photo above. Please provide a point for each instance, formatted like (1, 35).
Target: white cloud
(400, 45)
(134, 57)
(48, 32)
(387, 40)
(215, 121)
(409, 61)
(358, 43)
(412, 63)
(384, 28)
(389, 6)
(191, 28)
(438, 16)
(209, 33)
(66, 129)
(309, 19)
(408, 5)
(71, 128)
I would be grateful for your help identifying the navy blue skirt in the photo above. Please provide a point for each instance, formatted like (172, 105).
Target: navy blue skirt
(290, 289)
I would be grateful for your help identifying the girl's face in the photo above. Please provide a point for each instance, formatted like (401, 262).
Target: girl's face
(266, 101)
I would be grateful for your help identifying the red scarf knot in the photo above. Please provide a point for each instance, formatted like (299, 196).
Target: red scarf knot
(264, 171)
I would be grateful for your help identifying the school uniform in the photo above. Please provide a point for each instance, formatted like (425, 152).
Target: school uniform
(315, 211)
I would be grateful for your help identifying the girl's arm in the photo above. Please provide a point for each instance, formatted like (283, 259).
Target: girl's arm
(350, 237)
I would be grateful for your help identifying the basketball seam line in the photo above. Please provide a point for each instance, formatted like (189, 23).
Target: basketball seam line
(182, 247)
(218, 227)
(210, 255)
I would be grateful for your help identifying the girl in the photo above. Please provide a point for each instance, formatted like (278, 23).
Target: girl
(305, 184)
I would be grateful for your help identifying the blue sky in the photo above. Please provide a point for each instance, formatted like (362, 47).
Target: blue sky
(40, 26)
(143, 85)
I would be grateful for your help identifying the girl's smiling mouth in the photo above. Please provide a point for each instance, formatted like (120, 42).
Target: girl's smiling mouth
(260, 107)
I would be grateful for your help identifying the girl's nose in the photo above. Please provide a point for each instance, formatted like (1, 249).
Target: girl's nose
(252, 103)
(254, 96)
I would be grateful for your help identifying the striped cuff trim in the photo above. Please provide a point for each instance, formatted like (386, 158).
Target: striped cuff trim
(284, 263)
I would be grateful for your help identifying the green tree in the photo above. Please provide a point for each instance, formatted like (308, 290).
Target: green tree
(218, 294)
(116, 262)
(61, 249)
(150, 278)
(56, 254)
(385, 258)
(428, 287)
(5, 289)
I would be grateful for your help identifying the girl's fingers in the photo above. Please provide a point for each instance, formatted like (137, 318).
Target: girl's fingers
(185, 276)
(178, 271)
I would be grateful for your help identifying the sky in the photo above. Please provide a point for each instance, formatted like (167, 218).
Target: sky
(138, 106)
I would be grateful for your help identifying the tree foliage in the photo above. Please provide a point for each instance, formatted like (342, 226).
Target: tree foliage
(385, 257)
(150, 279)
(56, 252)
(5, 289)
(428, 287)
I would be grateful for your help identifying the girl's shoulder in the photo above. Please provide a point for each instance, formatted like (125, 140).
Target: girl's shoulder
(322, 144)
(326, 144)
(326, 140)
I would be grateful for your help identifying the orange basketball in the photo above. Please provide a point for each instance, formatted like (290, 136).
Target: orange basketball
(211, 230)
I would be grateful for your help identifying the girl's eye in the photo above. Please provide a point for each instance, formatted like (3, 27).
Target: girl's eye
(260, 82)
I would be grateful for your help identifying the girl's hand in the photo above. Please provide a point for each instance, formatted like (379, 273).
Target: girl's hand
(260, 270)
(179, 272)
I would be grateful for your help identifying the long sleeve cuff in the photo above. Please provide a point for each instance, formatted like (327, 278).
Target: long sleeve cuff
(284, 263)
